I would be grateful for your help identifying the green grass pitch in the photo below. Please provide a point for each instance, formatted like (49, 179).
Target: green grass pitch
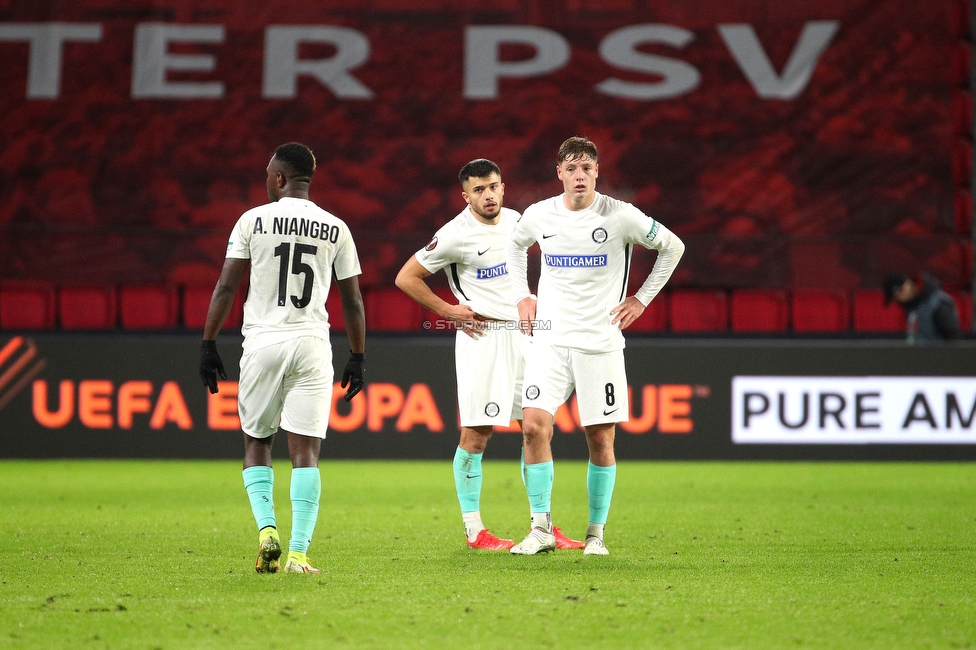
(141, 554)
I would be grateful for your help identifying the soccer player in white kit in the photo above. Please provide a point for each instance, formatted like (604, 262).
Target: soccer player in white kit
(586, 239)
(292, 248)
(489, 349)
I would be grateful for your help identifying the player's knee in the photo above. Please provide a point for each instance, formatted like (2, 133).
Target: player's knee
(601, 448)
(475, 439)
(600, 437)
(535, 430)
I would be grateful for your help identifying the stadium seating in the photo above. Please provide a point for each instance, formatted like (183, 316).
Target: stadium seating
(37, 306)
(959, 64)
(959, 16)
(871, 314)
(27, 306)
(961, 104)
(196, 302)
(962, 161)
(390, 310)
(148, 307)
(699, 310)
(758, 310)
(654, 318)
(87, 307)
(820, 310)
(963, 210)
(965, 266)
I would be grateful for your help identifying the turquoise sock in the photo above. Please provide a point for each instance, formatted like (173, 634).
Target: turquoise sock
(522, 465)
(467, 479)
(538, 485)
(306, 487)
(259, 483)
(599, 485)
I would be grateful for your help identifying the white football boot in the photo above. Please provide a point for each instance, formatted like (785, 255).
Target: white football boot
(594, 546)
(537, 541)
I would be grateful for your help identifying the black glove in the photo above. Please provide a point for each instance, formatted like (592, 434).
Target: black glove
(353, 375)
(211, 365)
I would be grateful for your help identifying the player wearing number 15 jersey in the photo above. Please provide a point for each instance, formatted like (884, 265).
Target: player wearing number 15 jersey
(292, 248)
(586, 240)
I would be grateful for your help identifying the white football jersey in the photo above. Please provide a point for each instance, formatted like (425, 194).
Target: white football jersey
(294, 247)
(472, 255)
(585, 263)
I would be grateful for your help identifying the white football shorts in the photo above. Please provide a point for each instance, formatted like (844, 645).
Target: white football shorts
(288, 384)
(600, 381)
(489, 375)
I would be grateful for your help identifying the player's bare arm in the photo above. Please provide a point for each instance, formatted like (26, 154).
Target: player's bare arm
(354, 317)
(411, 280)
(211, 366)
(353, 313)
(223, 296)
(627, 312)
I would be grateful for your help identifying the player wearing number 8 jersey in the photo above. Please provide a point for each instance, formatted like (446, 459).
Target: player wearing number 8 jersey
(586, 240)
(292, 248)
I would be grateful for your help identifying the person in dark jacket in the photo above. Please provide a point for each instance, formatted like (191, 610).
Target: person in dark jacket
(931, 312)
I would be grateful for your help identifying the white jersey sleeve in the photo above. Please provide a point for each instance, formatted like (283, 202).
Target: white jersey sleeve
(516, 255)
(443, 249)
(472, 254)
(239, 244)
(346, 262)
(638, 228)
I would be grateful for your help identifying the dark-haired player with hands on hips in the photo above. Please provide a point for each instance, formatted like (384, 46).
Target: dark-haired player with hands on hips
(292, 248)
(586, 240)
(489, 350)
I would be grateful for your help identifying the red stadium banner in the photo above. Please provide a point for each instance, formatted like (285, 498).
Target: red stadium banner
(791, 144)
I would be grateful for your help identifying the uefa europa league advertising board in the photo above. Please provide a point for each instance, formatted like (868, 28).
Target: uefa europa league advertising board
(104, 396)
